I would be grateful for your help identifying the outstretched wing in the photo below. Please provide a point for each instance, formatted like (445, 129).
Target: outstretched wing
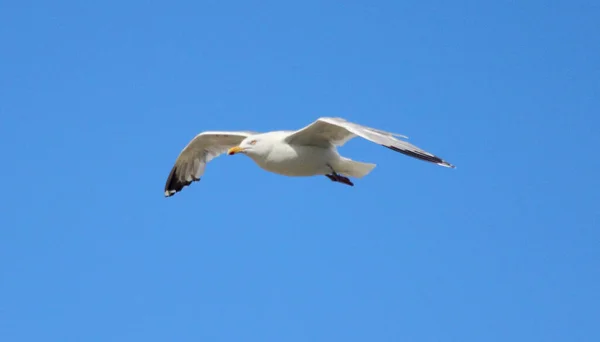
(190, 163)
(337, 131)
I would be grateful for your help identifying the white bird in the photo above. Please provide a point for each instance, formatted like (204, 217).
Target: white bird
(309, 151)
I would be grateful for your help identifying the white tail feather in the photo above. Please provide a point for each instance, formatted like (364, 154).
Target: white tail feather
(356, 169)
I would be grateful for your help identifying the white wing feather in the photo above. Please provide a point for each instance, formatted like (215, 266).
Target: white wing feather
(191, 162)
(337, 131)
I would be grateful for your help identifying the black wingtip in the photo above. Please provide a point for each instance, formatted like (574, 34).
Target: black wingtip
(422, 156)
(174, 184)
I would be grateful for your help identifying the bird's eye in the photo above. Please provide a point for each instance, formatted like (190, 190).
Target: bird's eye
(252, 142)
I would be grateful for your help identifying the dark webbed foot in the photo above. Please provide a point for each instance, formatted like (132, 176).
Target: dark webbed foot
(340, 179)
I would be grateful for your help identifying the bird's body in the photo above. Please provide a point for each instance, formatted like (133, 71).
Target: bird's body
(288, 160)
(293, 160)
(310, 151)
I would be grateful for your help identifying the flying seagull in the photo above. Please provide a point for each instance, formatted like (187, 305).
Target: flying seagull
(309, 151)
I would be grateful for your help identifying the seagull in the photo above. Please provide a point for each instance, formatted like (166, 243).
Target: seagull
(309, 151)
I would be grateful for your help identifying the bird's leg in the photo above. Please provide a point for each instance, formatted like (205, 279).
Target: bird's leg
(335, 177)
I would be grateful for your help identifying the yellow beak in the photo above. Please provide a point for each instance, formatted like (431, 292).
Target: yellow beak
(234, 150)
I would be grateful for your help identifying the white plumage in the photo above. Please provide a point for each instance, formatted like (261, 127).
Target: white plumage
(309, 151)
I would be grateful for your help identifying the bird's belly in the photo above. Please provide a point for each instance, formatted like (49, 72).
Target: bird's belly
(298, 161)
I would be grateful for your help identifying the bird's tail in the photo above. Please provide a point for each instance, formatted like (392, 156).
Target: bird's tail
(355, 169)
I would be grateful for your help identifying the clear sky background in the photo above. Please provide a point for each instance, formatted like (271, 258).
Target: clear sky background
(98, 98)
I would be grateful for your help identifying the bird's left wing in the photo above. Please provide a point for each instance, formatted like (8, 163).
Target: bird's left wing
(337, 131)
(190, 163)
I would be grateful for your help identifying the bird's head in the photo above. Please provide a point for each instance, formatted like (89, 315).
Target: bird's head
(250, 145)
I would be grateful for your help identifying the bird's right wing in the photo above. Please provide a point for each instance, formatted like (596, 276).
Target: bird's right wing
(337, 131)
(190, 163)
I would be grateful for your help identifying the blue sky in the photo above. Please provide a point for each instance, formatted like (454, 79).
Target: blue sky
(98, 98)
